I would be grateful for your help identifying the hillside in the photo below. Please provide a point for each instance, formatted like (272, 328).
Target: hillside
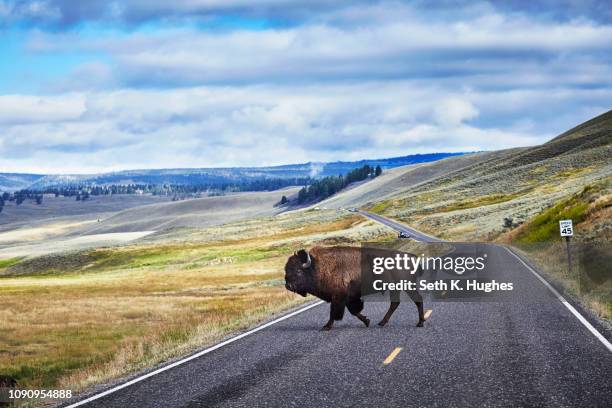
(57, 209)
(395, 181)
(17, 181)
(471, 202)
(196, 213)
(61, 225)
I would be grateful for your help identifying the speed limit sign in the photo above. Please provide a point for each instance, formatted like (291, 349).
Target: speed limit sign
(566, 228)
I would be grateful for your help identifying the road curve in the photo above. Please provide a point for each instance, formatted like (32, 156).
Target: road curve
(415, 234)
(520, 353)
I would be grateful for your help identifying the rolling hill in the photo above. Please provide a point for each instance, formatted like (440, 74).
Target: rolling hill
(17, 181)
(212, 176)
(468, 197)
(195, 213)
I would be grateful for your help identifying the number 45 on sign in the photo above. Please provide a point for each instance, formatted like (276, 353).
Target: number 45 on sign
(565, 226)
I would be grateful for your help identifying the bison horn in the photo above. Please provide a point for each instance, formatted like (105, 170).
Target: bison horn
(308, 261)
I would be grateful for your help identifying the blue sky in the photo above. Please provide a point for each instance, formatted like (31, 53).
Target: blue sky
(102, 85)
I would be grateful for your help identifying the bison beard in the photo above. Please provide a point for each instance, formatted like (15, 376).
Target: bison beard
(334, 275)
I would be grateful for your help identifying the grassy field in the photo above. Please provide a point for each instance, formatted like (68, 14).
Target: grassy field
(30, 214)
(61, 225)
(77, 319)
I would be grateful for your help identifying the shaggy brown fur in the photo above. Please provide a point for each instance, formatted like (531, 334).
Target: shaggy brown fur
(333, 274)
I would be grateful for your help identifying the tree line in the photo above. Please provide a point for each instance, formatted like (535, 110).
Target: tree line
(169, 189)
(327, 186)
(19, 197)
(313, 190)
(83, 192)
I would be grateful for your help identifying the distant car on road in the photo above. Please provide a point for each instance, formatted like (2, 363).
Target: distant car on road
(353, 209)
(403, 235)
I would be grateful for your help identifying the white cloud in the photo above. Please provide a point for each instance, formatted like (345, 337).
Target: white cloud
(384, 79)
(405, 43)
(29, 109)
(256, 125)
(453, 111)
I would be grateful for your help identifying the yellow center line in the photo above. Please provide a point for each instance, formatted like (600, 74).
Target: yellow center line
(391, 356)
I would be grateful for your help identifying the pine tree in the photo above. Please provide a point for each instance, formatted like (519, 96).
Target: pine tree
(302, 195)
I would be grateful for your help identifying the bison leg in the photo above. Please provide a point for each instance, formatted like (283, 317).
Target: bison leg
(418, 301)
(419, 306)
(355, 307)
(392, 308)
(336, 312)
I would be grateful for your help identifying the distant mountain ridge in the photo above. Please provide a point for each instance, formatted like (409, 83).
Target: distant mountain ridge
(219, 175)
(17, 181)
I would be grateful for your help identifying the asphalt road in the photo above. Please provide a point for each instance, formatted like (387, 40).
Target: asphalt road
(418, 235)
(528, 351)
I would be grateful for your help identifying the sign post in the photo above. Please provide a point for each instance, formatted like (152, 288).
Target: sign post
(567, 230)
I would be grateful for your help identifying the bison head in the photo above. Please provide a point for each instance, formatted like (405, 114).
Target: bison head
(299, 273)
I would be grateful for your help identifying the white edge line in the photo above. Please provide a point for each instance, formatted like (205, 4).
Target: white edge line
(571, 308)
(193, 356)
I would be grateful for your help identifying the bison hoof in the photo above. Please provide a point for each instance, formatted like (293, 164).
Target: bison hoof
(419, 324)
(366, 322)
(327, 327)
(382, 323)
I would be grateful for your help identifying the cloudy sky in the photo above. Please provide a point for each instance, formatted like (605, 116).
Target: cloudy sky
(100, 85)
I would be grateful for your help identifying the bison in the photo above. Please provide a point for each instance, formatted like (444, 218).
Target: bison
(333, 274)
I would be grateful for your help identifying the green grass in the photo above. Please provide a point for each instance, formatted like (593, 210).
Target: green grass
(545, 226)
(380, 207)
(157, 257)
(5, 263)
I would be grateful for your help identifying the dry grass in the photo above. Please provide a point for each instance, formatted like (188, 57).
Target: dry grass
(518, 184)
(589, 280)
(115, 311)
